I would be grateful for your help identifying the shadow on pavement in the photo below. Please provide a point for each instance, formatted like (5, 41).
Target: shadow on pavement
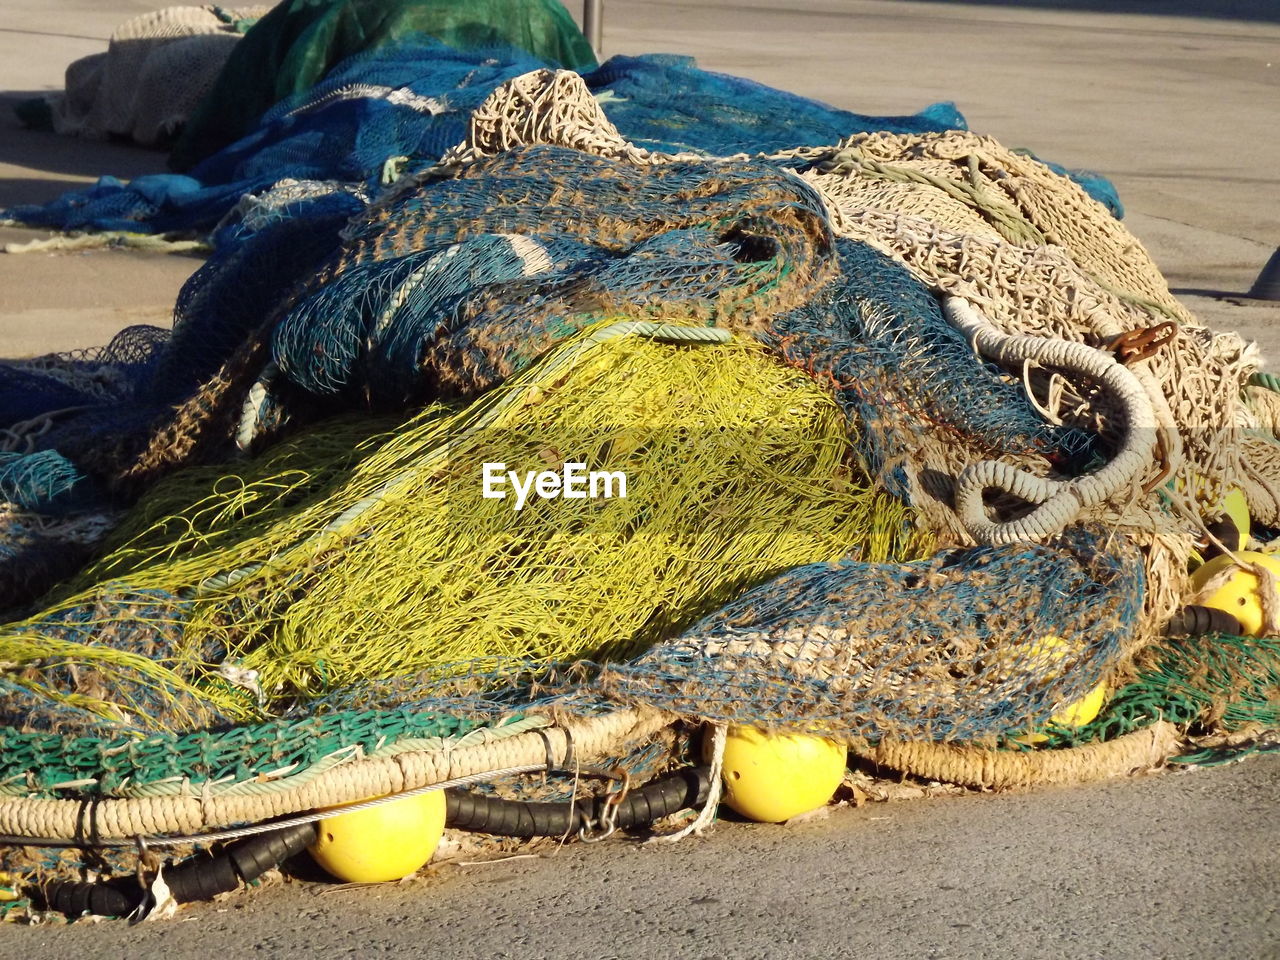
(46, 163)
(1263, 10)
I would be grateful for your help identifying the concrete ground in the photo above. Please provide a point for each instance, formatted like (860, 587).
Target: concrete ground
(1183, 112)
(1168, 866)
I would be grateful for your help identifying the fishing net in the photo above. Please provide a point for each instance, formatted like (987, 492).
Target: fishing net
(918, 450)
(299, 42)
(404, 103)
(155, 71)
(726, 488)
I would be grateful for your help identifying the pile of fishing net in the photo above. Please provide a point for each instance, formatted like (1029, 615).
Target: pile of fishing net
(156, 70)
(402, 105)
(918, 452)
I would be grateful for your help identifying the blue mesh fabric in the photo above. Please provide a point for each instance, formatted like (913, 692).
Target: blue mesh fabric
(346, 128)
(948, 649)
(667, 103)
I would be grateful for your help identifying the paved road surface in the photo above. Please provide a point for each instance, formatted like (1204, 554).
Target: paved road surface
(1168, 866)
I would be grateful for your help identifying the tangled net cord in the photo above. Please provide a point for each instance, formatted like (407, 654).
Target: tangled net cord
(1060, 501)
(487, 413)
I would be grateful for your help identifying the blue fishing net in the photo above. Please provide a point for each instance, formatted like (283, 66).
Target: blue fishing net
(404, 101)
(414, 99)
(665, 102)
(59, 408)
(965, 646)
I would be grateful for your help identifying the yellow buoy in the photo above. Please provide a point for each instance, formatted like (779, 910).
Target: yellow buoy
(1075, 714)
(771, 777)
(385, 842)
(1083, 710)
(1235, 506)
(1239, 595)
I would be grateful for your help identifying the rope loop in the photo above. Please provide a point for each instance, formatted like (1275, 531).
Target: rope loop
(1059, 502)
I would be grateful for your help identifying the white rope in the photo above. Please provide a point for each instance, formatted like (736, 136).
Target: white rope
(71, 243)
(22, 437)
(236, 833)
(707, 815)
(1060, 501)
(255, 406)
(399, 96)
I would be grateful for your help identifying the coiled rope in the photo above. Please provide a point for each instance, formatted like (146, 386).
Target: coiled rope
(1060, 501)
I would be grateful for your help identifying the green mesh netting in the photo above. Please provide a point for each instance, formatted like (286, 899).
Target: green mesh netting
(299, 41)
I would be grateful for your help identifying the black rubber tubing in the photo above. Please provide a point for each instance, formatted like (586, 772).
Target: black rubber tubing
(199, 878)
(203, 878)
(659, 798)
(1194, 620)
(1225, 529)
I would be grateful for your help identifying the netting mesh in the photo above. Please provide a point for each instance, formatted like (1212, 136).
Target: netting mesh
(936, 650)
(156, 69)
(157, 764)
(919, 445)
(296, 46)
(412, 99)
(386, 559)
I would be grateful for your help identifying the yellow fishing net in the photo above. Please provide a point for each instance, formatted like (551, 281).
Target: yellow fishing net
(349, 555)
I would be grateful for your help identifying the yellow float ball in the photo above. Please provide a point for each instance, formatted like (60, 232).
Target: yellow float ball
(385, 842)
(1073, 715)
(1235, 506)
(1083, 710)
(1239, 595)
(771, 777)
